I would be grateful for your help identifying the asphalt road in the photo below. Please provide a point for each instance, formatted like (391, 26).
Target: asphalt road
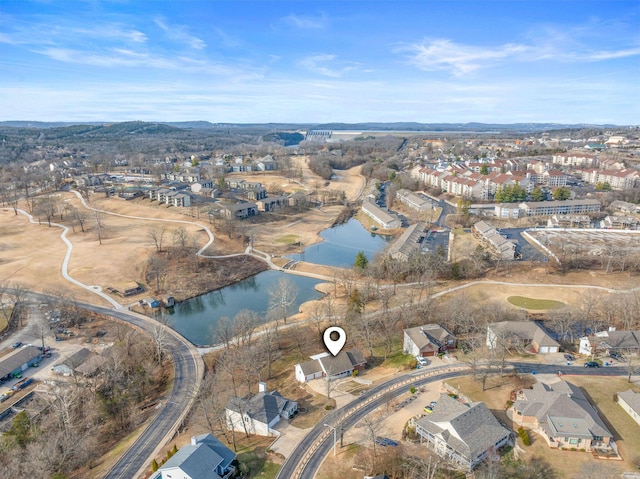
(306, 459)
(188, 370)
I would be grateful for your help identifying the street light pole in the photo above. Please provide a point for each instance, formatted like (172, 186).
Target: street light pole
(335, 438)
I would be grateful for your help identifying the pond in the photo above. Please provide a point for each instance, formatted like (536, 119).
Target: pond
(197, 317)
(342, 243)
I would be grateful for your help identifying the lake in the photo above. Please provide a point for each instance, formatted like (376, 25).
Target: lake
(196, 318)
(341, 244)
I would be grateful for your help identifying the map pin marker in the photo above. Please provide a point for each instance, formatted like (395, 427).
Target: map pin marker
(334, 345)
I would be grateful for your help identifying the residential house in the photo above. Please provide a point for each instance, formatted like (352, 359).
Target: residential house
(428, 340)
(381, 216)
(260, 413)
(205, 458)
(561, 414)
(575, 159)
(606, 342)
(625, 207)
(464, 434)
(507, 210)
(630, 402)
(325, 365)
(521, 334)
(409, 242)
(266, 163)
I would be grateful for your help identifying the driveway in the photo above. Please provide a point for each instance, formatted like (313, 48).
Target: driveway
(290, 437)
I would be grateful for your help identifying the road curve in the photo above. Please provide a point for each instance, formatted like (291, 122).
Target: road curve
(188, 373)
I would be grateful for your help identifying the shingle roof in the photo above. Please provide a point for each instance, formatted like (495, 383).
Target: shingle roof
(428, 336)
(524, 330)
(632, 399)
(197, 461)
(561, 408)
(214, 444)
(263, 407)
(469, 429)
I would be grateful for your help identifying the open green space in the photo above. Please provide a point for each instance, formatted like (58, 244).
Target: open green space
(288, 239)
(534, 303)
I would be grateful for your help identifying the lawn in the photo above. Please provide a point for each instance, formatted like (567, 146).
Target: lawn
(398, 360)
(289, 239)
(3, 323)
(533, 303)
(254, 462)
(599, 391)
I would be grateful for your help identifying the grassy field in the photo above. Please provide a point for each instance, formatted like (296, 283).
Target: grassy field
(289, 239)
(3, 323)
(533, 303)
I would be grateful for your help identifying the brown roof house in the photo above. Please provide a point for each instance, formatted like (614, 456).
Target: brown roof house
(428, 340)
(561, 414)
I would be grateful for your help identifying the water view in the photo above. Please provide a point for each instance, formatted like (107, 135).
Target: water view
(196, 318)
(341, 244)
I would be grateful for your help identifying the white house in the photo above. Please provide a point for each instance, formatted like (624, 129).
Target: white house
(205, 458)
(630, 402)
(325, 365)
(260, 413)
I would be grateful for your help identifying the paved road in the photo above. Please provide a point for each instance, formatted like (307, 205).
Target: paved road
(306, 459)
(188, 368)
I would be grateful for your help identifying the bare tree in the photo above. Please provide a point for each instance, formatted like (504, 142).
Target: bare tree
(243, 326)
(99, 224)
(157, 235)
(281, 297)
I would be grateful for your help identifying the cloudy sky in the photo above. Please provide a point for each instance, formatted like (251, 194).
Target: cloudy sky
(570, 61)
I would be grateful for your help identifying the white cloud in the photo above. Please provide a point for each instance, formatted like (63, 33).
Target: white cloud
(180, 34)
(306, 22)
(323, 64)
(461, 59)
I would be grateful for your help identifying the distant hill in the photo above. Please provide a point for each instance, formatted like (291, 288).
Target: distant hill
(134, 127)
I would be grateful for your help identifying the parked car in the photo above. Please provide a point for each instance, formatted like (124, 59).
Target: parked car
(569, 357)
(17, 344)
(385, 441)
(422, 361)
(428, 409)
(591, 364)
(616, 356)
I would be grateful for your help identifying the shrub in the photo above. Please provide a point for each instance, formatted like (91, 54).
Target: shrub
(328, 407)
(526, 440)
(354, 373)
(154, 466)
(413, 390)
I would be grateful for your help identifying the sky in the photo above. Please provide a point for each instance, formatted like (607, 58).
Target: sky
(304, 61)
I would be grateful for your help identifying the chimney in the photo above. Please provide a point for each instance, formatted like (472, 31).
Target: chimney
(262, 387)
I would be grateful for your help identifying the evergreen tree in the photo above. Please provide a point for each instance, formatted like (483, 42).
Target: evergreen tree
(561, 193)
(484, 169)
(537, 194)
(361, 261)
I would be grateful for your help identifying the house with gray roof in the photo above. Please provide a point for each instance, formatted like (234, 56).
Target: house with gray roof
(428, 340)
(610, 341)
(521, 334)
(260, 413)
(205, 458)
(326, 365)
(464, 434)
(383, 217)
(630, 402)
(561, 414)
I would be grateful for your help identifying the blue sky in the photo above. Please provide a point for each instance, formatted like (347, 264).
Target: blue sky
(569, 61)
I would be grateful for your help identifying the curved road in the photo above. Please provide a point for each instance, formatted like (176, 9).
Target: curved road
(305, 460)
(188, 372)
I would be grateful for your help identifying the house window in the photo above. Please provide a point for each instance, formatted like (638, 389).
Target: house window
(573, 441)
(597, 438)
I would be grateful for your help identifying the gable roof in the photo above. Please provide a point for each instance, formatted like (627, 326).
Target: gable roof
(15, 359)
(197, 461)
(263, 407)
(215, 445)
(428, 335)
(470, 429)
